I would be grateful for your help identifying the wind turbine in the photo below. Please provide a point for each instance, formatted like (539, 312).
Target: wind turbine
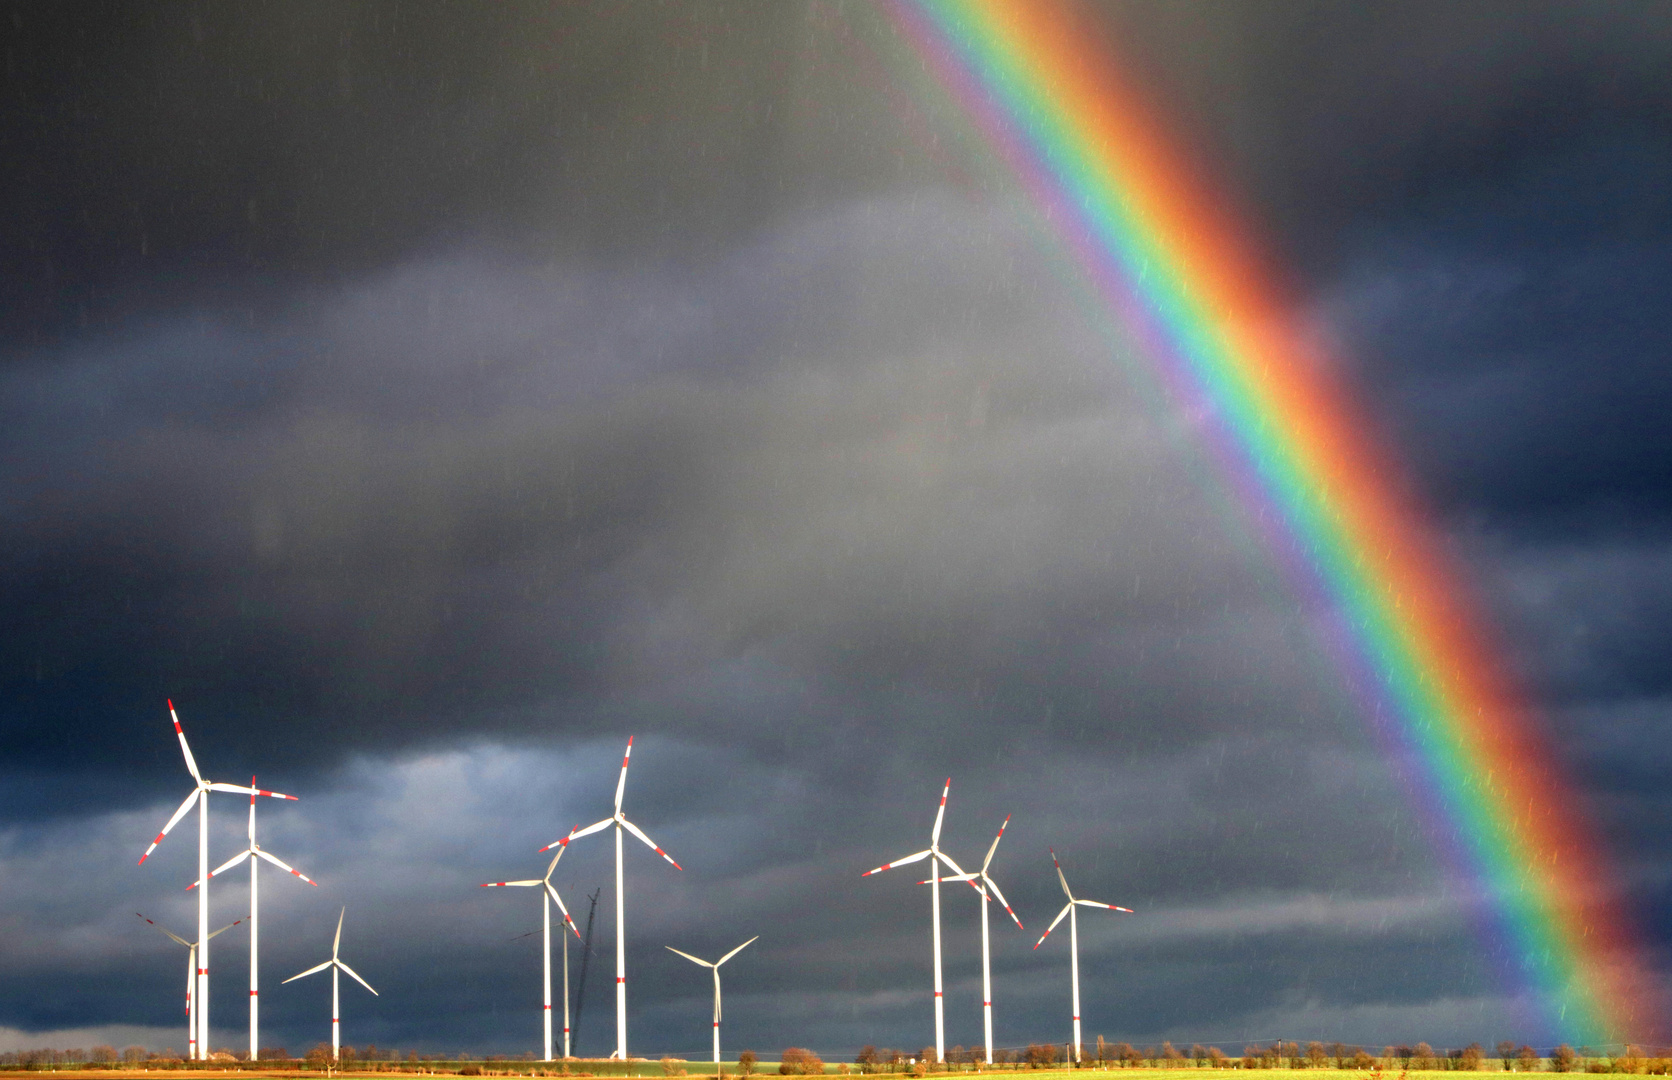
(200, 796)
(620, 823)
(934, 883)
(191, 974)
(254, 853)
(546, 897)
(335, 965)
(1073, 940)
(986, 964)
(716, 967)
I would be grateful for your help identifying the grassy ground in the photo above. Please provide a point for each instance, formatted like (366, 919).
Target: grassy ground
(763, 1070)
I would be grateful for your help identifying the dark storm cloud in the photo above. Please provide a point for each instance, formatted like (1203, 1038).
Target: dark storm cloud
(472, 497)
(427, 397)
(195, 153)
(1328, 116)
(1516, 338)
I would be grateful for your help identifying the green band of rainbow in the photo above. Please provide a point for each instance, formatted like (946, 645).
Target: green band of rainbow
(1182, 276)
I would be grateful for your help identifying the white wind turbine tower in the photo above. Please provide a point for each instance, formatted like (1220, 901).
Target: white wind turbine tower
(620, 822)
(1073, 941)
(335, 965)
(191, 976)
(255, 854)
(548, 895)
(200, 796)
(716, 966)
(934, 883)
(986, 964)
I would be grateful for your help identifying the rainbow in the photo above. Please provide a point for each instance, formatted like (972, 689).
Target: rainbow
(1178, 272)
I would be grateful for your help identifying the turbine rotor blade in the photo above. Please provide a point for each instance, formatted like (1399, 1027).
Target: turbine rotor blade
(636, 831)
(575, 834)
(225, 928)
(228, 865)
(191, 800)
(737, 950)
(1066, 908)
(502, 884)
(991, 884)
(282, 865)
(252, 792)
(337, 942)
(971, 878)
(989, 860)
(940, 814)
(957, 871)
(558, 900)
(562, 846)
(921, 855)
(1060, 878)
(310, 971)
(191, 763)
(688, 956)
(170, 933)
(621, 785)
(357, 978)
(1095, 903)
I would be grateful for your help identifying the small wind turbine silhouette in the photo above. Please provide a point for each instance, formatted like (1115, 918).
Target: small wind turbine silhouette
(200, 796)
(620, 822)
(191, 976)
(255, 854)
(335, 965)
(548, 895)
(986, 963)
(716, 966)
(934, 883)
(1073, 940)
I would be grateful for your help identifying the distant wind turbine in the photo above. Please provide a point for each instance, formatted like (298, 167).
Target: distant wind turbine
(191, 976)
(255, 854)
(335, 965)
(1073, 940)
(200, 796)
(934, 883)
(986, 964)
(620, 823)
(716, 967)
(547, 895)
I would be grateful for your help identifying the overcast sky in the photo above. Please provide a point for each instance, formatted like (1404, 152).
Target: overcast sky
(427, 397)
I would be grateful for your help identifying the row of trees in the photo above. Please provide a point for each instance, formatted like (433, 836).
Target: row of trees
(1278, 1055)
